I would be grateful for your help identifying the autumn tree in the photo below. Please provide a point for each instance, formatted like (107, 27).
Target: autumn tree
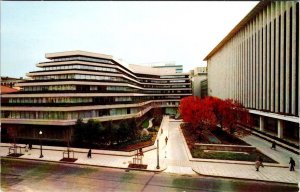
(197, 112)
(229, 112)
(205, 114)
(157, 113)
(235, 114)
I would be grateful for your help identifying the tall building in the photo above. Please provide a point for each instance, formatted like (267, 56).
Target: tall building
(78, 84)
(198, 75)
(257, 63)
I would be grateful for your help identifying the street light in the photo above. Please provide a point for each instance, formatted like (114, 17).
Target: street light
(157, 167)
(40, 133)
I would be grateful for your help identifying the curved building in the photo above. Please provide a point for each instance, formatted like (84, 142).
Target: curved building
(78, 84)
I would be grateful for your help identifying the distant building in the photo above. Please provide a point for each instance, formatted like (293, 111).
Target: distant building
(11, 81)
(176, 68)
(257, 63)
(6, 90)
(198, 75)
(204, 88)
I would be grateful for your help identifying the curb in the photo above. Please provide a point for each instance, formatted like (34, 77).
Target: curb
(82, 164)
(246, 179)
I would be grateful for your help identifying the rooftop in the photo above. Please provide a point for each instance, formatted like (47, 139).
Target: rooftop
(76, 53)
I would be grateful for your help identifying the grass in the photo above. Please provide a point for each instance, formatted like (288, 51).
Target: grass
(145, 124)
(226, 155)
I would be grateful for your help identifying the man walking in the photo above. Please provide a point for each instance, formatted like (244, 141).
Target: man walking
(273, 145)
(292, 166)
(166, 140)
(89, 155)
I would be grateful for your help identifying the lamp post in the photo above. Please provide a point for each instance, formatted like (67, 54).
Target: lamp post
(40, 133)
(157, 167)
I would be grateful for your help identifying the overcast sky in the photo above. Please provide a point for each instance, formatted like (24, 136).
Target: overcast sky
(136, 32)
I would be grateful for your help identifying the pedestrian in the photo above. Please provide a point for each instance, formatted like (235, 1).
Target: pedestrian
(30, 146)
(141, 152)
(292, 164)
(273, 145)
(26, 148)
(260, 159)
(89, 155)
(166, 140)
(257, 165)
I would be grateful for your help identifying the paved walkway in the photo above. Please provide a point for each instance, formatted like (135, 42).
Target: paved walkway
(176, 158)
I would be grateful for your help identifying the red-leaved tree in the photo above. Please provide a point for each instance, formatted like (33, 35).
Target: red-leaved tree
(229, 112)
(197, 112)
(237, 113)
(205, 114)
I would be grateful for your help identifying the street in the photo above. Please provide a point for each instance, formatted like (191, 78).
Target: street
(27, 176)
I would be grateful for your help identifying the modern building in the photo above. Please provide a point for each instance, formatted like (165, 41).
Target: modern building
(170, 65)
(257, 63)
(78, 84)
(198, 75)
(11, 82)
(204, 88)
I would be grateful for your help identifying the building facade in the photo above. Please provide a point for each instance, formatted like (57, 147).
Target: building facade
(11, 82)
(257, 63)
(198, 75)
(177, 68)
(78, 84)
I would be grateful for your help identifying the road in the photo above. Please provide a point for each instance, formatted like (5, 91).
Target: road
(29, 176)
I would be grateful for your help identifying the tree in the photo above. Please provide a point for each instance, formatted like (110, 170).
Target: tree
(67, 138)
(228, 112)
(13, 133)
(235, 114)
(78, 135)
(110, 133)
(157, 113)
(197, 112)
(123, 132)
(133, 129)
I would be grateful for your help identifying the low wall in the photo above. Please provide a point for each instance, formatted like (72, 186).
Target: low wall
(220, 147)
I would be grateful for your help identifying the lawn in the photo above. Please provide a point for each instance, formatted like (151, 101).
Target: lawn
(145, 124)
(227, 155)
(225, 138)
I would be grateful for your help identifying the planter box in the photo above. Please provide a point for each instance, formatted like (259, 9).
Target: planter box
(220, 147)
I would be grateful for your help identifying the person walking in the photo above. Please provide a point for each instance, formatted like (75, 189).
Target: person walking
(26, 148)
(89, 155)
(257, 165)
(292, 164)
(30, 146)
(166, 139)
(260, 159)
(273, 145)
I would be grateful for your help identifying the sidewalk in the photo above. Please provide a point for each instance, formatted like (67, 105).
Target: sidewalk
(176, 158)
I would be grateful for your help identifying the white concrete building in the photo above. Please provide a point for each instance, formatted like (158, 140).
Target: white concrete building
(198, 74)
(257, 63)
(79, 84)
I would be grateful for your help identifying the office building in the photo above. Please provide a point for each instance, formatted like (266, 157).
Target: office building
(168, 65)
(198, 75)
(257, 63)
(78, 84)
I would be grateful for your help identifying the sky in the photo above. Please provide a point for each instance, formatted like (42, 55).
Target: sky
(136, 32)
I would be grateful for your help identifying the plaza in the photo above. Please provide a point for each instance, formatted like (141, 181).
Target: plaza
(175, 158)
